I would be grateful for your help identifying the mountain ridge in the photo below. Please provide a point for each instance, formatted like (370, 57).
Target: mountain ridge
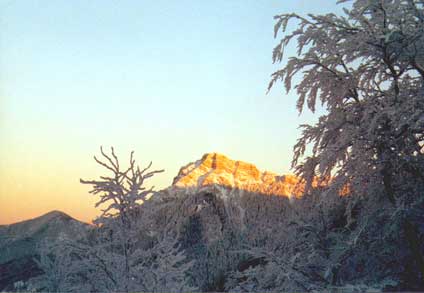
(218, 169)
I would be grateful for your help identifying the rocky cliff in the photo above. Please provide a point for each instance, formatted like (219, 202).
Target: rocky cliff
(217, 169)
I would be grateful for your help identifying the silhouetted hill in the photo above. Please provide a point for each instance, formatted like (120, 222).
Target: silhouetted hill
(18, 244)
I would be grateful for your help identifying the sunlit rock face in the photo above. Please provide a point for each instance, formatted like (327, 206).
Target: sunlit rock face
(217, 169)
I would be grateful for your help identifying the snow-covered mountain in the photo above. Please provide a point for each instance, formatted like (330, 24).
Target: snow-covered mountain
(217, 169)
(213, 205)
(216, 206)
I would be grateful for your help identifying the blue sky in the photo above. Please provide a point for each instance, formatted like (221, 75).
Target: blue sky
(171, 80)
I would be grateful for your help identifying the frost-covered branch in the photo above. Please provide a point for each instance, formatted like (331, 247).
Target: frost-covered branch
(123, 191)
(366, 69)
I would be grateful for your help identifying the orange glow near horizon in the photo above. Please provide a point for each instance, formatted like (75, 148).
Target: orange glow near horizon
(30, 188)
(32, 196)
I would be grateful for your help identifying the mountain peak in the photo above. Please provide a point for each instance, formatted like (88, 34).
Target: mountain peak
(218, 169)
(54, 214)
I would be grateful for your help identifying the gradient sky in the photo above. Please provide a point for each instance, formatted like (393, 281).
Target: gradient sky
(171, 80)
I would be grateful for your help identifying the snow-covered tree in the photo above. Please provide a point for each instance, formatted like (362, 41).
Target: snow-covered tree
(366, 68)
(122, 194)
(295, 255)
(118, 255)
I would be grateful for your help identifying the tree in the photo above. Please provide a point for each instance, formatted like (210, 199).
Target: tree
(367, 70)
(122, 193)
(118, 254)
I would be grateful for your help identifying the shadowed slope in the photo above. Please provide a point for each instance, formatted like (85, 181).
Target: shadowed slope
(19, 241)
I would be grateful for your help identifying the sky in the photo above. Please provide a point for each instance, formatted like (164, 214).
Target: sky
(171, 80)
